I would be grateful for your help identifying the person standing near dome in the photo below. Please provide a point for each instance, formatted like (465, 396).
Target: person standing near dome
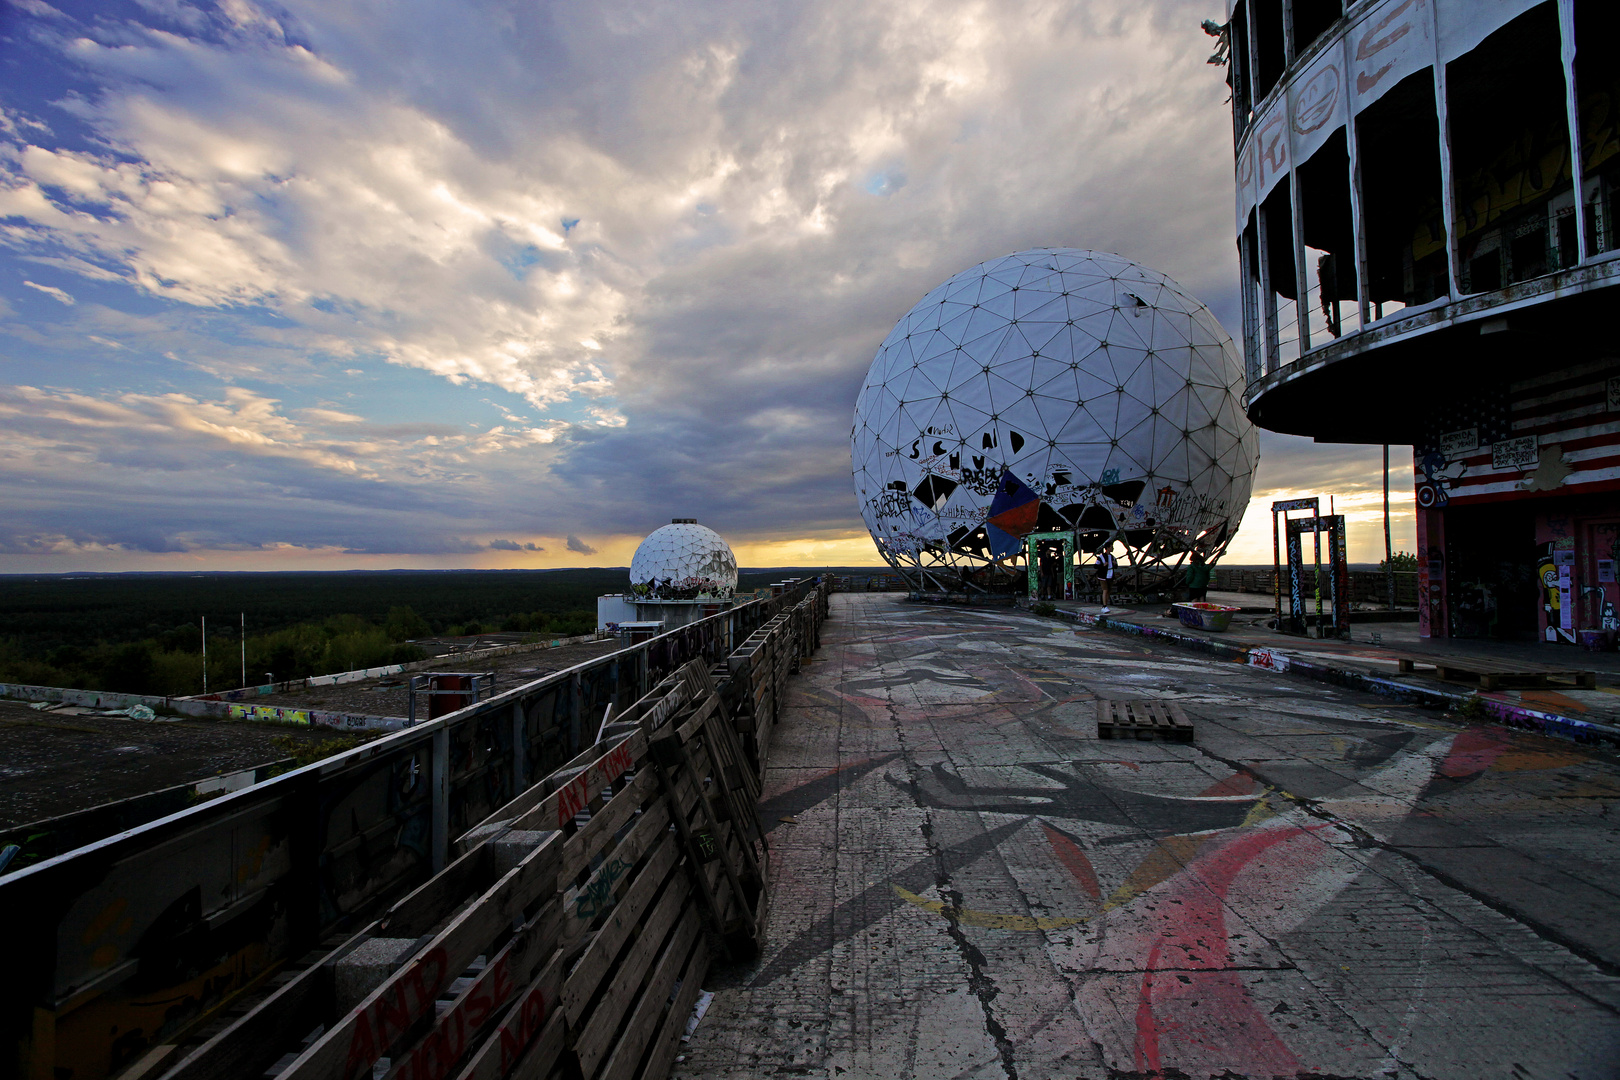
(1197, 576)
(1106, 564)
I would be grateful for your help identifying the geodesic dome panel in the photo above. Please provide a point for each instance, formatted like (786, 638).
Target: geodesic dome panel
(1054, 390)
(683, 561)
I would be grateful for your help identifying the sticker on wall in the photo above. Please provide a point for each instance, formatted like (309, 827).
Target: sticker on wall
(1465, 441)
(1566, 611)
(1514, 453)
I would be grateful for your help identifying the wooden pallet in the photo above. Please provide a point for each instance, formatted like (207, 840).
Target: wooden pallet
(1500, 674)
(1142, 720)
(568, 937)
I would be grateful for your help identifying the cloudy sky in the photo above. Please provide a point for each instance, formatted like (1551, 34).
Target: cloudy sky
(324, 284)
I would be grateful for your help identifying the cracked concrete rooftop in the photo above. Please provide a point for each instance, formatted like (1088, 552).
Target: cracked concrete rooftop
(968, 883)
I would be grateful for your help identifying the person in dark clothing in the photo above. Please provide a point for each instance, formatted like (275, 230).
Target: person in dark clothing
(1197, 576)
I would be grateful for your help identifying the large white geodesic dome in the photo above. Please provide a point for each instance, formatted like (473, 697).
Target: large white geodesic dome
(1052, 391)
(683, 561)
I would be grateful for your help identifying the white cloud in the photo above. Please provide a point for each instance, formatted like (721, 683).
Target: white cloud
(37, 8)
(675, 233)
(59, 295)
(331, 416)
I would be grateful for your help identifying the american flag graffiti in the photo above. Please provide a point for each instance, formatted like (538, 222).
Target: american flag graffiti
(1554, 432)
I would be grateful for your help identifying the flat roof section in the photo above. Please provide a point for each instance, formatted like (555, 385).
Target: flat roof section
(968, 882)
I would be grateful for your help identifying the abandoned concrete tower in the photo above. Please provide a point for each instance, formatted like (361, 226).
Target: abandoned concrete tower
(1426, 228)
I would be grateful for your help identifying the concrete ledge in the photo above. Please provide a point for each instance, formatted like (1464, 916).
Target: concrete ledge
(1502, 709)
(210, 708)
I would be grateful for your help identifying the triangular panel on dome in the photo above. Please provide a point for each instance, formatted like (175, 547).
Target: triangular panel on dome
(998, 304)
(934, 345)
(1046, 337)
(985, 333)
(965, 375)
(1130, 326)
(954, 322)
(1001, 542)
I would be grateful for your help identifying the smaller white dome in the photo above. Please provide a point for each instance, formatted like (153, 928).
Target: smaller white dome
(684, 561)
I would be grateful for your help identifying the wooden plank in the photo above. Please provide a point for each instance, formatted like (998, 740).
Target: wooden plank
(584, 905)
(531, 796)
(683, 758)
(661, 1058)
(529, 1037)
(699, 678)
(593, 1043)
(669, 779)
(583, 846)
(537, 1064)
(1142, 720)
(725, 760)
(150, 1062)
(605, 945)
(701, 713)
(427, 904)
(368, 1032)
(649, 1007)
(559, 808)
(458, 1028)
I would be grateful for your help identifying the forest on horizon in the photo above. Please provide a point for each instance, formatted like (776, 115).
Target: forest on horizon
(141, 633)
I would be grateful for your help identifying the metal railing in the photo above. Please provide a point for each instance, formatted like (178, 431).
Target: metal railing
(144, 932)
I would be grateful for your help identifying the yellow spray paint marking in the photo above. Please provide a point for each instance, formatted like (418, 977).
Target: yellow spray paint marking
(1167, 858)
(1170, 856)
(969, 917)
(1259, 812)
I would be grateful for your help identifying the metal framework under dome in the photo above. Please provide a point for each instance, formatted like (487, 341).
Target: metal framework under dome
(1053, 390)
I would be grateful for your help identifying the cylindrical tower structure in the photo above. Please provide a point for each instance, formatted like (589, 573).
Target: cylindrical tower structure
(1427, 237)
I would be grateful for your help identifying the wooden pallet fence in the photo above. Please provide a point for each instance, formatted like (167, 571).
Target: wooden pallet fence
(552, 944)
(752, 694)
(809, 613)
(573, 929)
(757, 671)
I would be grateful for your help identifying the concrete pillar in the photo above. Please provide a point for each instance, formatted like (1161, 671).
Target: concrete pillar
(439, 777)
(365, 968)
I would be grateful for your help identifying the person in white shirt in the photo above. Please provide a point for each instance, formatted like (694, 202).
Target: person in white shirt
(1105, 564)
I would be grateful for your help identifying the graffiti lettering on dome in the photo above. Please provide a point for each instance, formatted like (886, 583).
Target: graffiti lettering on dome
(889, 504)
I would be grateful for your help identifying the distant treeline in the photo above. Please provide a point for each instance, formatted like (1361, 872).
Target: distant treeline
(141, 633)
